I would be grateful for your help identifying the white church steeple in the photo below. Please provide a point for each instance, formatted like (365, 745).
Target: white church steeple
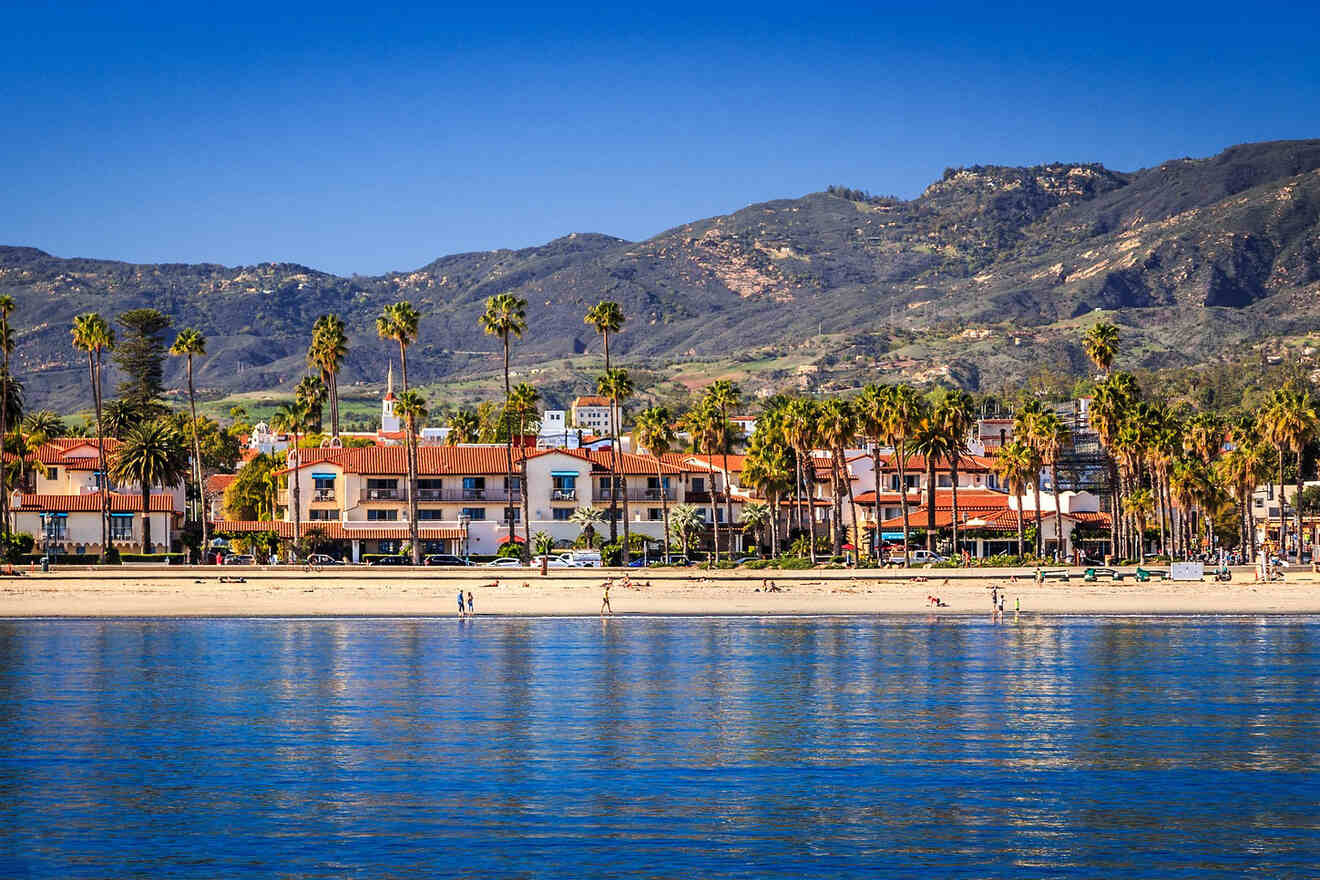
(389, 422)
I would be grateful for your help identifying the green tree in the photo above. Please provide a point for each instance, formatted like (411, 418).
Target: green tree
(901, 412)
(686, 520)
(412, 407)
(837, 429)
(399, 322)
(1015, 464)
(46, 423)
(588, 519)
(248, 496)
(954, 416)
(617, 385)
(523, 403)
(655, 432)
(607, 318)
(94, 335)
(801, 426)
(724, 396)
(463, 427)
(189, 344)
(311, 394)
(702, 422)
(151, 454)
(326, 353)
(1100, 342)
(756, 519)
(140, 356)
(291, 419)
(506, 317)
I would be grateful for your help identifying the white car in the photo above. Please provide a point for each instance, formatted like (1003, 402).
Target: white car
(505, 562)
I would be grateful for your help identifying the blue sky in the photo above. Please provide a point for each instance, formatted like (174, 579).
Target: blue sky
(364, 139)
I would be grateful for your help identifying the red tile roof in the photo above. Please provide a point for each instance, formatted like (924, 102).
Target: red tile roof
(90, 502)
(55, 452)
(591, 400)
(217, 483)
(334, 530)
(703, 462)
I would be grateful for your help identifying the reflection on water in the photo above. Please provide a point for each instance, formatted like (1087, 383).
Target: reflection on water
(659, 748)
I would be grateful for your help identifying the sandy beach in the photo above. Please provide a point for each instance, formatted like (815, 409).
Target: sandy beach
(183, 592)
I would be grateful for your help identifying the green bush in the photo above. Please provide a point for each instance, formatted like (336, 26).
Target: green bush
(793, 563)
(15, 547)
(611, 554)
(758, 564)
(64, 558)
(510, 550)
(112, 556)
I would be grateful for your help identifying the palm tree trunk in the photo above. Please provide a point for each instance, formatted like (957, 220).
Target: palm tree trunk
(930, 503)
(901, 451)
(1283, 521)
(953, 475)
(1040, 539)
(714, 522)
(4, 424)
(724, 455)
(875, 468)
(1021, 529)
(852, 507)
(146, 517)
(837, 508)
(403, 362)
(1117, 501)
(197, 456)
(614, 453)
(1058, 513)
(522, 484)
(664, 504)
(508, 450)
(808, 482)
(1297, 504)
(100, 448)
(414, 530)
(333, 376)
(1159, 503)
(297, 497)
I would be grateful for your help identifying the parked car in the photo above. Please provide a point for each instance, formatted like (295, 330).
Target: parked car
(389, 560)
(584, 558)
(240, 559)
(323, 559)
(444, 559)
(556, 561)
(505, 562)
(922, 557)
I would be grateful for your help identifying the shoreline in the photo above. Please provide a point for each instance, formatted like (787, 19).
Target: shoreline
(180, 593)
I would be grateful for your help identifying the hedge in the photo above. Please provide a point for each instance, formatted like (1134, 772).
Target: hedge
(167, 558)
(64, 558)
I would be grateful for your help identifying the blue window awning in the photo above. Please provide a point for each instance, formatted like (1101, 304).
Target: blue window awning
(564, 474)
(122, 514)
(317, 476)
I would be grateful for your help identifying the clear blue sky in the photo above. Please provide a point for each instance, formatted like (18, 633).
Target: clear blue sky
(369, 138)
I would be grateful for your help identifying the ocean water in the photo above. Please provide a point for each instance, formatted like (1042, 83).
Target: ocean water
(674, 748)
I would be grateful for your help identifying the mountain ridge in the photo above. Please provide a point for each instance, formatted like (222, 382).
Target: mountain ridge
(1230, 242)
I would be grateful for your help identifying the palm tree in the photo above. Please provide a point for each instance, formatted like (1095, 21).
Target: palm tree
(7, 347)
(291, 419)
(901, 416)
(801, 425)
(687, 522)
(1187, 479)
(934, 443)
(1100, 343)
(1016, 464)
(1140, 505)
(523, 406)
(1050, 435)
(1109, 405)
(655, 432)
(506, 317)
(399, 322)
(1290, 423)
(769, 471)
(838, 428)
(870, 409)
(955, 416)
(725, 395)
(1240, 470)
(120, 417)
(1026, 427)
(755, 518)
(412, 407)
(463, 427)
(618, 387)
(587, 519)
(151, 455)
(607, 317)
(326, 353)
(311, 394)
(702, 422)
(188, 344)
(93, 334)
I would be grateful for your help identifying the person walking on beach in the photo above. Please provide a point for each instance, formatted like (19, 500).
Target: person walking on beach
(460, 602)
(472, 606)
(605, 602)
(1017, 607)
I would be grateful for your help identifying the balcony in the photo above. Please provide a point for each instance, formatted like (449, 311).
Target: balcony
(323, 495)
(563, 495)
(656, 495)
(493, 496)
(381, 495)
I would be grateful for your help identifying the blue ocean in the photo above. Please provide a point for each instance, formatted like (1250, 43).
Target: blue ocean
(660, 747)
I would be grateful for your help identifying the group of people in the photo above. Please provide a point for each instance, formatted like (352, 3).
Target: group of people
(471, 608)
(997, 599)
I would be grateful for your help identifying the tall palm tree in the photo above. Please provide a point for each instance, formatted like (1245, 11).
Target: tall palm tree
(412, 407)
(838, 428)
(725, 395)
(1050, 435)
(311, 394)
(1026, 427)
(1187, 479)
(291, 419)
(755, 518)
(326, 353)
(6, 351)
(93, 334)
(702, 422)
(901, 416)
(1109, 405)
(190, 343)
(1290, 423)
(801, 424)
(463, 427)
(1016, 465)
(617, 385)
(1100, 342)
(607, 318)
(523, 407)
(870, 409)
(768, 470)
(1240, 470)
(399, 322)
(151, 454)
(935, 443)
(655, 432)
(120, 417)
(953, 415)
(506, 317)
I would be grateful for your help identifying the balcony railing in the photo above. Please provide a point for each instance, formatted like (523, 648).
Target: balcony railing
(496, 495)
(381, 495)
(323, 494)
(563, 495)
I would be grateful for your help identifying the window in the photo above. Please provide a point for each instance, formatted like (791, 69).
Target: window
(654, 514)
(431, 514)
(699, 484)
(476, 514)
(56, 528)
(431, 483)
(382, 515)
(605, 484)
(323, 482)
(511, 514)
(388, 547)
(562, 514)
(382, 483)
(565, 481)
(121, 527)
(323, 515)
(944, 481)
(512, 483)
(474, 488)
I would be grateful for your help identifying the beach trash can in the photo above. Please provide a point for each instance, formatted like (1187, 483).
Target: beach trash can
(45, 563)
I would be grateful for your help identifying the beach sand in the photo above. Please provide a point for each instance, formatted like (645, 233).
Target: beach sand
(182, 592)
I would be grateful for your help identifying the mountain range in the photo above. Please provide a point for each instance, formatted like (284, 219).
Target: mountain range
(986, 276)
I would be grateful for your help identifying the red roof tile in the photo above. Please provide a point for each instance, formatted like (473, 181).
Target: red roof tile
(90, 502)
